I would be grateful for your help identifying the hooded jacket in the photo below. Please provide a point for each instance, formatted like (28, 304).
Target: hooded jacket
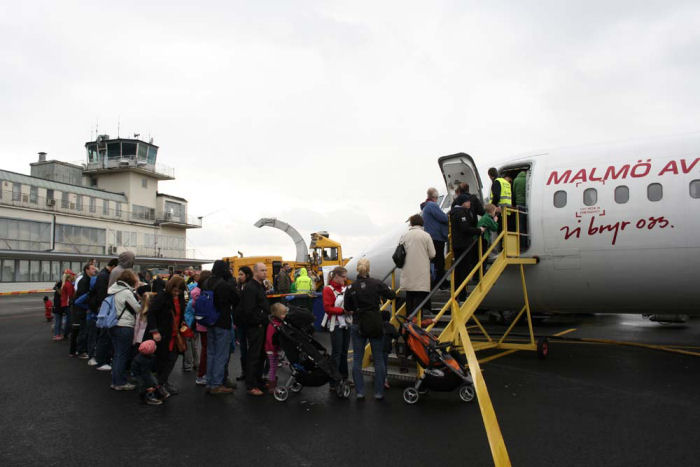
(125, 303)
(126, 261)
(303, 282)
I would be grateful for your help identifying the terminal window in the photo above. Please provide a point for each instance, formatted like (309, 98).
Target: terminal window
(559, 199)
(33, 194)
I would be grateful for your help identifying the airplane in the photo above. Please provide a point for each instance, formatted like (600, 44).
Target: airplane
(616, 228)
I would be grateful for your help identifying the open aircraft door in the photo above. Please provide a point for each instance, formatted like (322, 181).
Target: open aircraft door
(459, 168)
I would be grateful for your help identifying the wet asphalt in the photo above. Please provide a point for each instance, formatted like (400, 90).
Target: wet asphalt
(586, 404)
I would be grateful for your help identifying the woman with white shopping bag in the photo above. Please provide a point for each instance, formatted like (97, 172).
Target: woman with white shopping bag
(335, 319)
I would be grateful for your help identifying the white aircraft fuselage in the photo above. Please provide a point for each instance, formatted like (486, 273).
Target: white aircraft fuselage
(623, 236)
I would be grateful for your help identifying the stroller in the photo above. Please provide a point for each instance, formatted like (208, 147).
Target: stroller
(309, 361)
(444, 370)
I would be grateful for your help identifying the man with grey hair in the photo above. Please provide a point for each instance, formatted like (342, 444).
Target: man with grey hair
(435, 223)
(256, 309)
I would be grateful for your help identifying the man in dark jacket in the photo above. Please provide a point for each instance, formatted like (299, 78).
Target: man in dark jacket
(283, 283)
(78, 341)
(219, 335)
(255, 310)
(99, 342)
(463, 222)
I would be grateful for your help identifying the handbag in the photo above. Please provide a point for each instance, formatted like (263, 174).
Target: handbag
(399, 255)
(180, 343)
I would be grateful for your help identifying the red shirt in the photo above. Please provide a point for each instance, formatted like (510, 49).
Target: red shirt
(329, 299)
(67, 292)
(48, 307)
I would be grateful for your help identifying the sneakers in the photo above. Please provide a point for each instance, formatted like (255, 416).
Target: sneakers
(254, 392)
(378, 397)
(220, 390)
(163, 393)
(151, 399)
(92, 362)
(57, 338)
(123, 387)
(105, 367)
(360, 397)
(83, 356)
(200, 381)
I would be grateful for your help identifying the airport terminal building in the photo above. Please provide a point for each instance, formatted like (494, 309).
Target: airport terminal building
(63, 214)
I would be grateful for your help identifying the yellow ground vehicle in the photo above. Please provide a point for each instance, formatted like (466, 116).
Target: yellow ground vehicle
(324, 253)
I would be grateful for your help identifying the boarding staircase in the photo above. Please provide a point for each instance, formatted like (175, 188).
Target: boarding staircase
(461, 326)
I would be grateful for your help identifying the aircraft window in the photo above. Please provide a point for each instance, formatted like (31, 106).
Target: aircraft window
(695, 189)
(590, 196)
(622, 194)
(655, 192)
(559, 199)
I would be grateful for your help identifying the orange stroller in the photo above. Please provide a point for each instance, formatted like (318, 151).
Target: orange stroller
(444, 370)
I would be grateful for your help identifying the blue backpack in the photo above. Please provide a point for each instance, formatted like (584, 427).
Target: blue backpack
(107, 317)
(205, 313)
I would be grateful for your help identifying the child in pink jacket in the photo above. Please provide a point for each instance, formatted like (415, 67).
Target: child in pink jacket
(278, 312)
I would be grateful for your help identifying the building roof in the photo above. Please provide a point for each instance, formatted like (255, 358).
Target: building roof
(171, 196)
(60, 186)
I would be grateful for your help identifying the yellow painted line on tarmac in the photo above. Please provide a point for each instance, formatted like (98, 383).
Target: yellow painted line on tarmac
(568, 331)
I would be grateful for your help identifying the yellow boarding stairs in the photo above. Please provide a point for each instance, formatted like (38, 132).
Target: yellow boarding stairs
(461, 315)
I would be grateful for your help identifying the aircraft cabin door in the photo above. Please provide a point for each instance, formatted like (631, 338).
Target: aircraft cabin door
(456, 169)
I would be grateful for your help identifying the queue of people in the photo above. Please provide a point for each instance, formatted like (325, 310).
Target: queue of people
(467, 221)
(149, 331)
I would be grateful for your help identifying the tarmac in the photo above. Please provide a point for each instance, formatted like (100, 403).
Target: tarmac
(586, 404)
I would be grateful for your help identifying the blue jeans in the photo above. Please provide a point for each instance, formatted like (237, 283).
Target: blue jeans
(358, 349)
(218, 351)
(121, 339)
(340, 341)
(57, 323)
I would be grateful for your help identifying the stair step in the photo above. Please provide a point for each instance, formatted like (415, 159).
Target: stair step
(393, 374)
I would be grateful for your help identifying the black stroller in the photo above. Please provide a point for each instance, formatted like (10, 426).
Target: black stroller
(309, 361)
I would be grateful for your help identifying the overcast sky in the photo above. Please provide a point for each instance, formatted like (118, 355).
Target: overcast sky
(331, 115)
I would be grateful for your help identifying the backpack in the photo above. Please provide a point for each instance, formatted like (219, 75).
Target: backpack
(107, 317)
(399, 255)
(205, 313)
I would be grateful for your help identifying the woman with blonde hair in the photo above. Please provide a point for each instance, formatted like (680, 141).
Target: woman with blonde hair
(363, 300)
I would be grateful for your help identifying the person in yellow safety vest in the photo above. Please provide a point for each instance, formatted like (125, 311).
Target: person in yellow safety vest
(303, 283)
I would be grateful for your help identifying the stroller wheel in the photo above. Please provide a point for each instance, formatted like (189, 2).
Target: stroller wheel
(466, 392)
(281, 394)
(296, 386)
(343, 390)
(410, 395)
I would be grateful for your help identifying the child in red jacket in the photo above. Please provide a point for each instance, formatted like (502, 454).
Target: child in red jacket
(272, 348)
(48, 309)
